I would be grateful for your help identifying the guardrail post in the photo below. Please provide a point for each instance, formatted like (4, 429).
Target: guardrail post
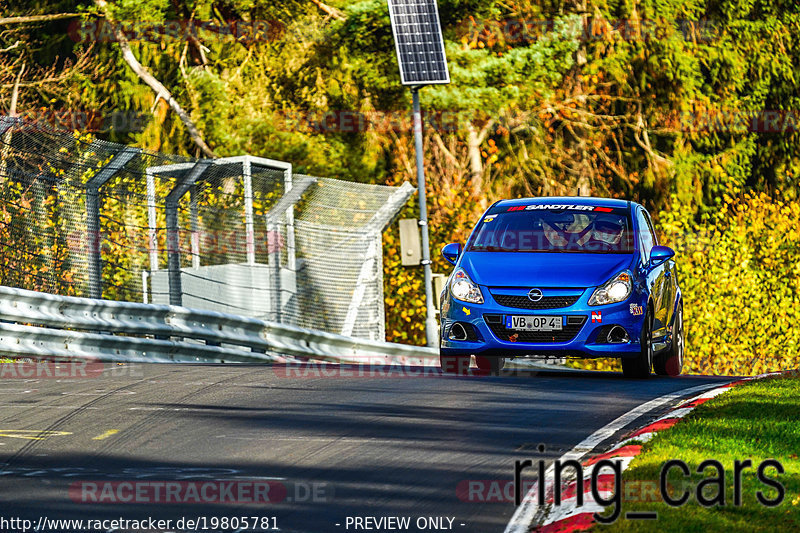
(173, 238)
(93, 216)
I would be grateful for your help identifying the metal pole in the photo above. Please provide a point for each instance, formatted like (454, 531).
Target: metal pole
(93, 185)
(248, 212)
(93, 230)
(291, 244)
(151, 220)
(173, 229)
(431, 328)
(274, 262)
(173, 252)
(195, 227)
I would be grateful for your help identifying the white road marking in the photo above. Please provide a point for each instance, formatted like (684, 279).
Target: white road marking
(644, 437)
(521, 519)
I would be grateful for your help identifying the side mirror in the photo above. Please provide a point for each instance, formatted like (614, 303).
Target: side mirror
(451, 252)
(659, 254)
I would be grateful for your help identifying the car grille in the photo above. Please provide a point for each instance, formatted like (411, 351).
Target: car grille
(574, 325)
(523, 302)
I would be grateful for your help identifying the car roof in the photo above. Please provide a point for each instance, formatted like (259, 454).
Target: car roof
(569, 200)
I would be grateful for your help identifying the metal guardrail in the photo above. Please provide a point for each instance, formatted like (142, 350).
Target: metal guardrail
(43, 326)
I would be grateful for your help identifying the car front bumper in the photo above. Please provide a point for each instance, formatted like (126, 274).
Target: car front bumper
(584, 329)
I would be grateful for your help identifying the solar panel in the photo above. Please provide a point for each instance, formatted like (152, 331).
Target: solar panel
(419, 43)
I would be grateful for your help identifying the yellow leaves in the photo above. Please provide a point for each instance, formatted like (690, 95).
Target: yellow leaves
(739, 285)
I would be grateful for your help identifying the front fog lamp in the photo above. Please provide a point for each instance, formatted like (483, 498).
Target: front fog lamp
(616, 290)
(462, 288)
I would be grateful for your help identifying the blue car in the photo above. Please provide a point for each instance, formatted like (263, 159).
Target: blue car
(563, 277)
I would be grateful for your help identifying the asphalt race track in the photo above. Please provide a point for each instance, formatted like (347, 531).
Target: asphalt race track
(329, 447)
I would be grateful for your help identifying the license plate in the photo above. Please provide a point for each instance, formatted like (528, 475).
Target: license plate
(534, 323)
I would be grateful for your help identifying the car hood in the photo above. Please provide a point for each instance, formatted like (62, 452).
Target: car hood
(542, 269)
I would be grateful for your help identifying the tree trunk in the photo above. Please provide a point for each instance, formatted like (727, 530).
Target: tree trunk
(157, 86)
(331, 11)
(12, 112)
(37, 18)
(475, 160)
(12, 109)
(474, 141)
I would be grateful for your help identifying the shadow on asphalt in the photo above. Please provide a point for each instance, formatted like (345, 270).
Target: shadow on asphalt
(344, 371)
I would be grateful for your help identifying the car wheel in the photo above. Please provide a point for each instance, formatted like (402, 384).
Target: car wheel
(492, 365)
(454, 364)
(670, 363)
(639, 366)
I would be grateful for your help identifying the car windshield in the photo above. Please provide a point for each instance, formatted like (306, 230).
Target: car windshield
(577, 229)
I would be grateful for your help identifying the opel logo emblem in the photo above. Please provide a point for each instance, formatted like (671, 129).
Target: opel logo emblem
(535, 295)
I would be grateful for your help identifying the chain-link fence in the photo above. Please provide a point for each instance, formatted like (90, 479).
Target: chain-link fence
(241, 235)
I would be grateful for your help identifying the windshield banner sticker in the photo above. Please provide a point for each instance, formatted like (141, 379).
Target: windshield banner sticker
(560, 207)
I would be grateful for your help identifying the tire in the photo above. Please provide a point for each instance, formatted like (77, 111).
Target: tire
(639, 367)
(492, 365)
(670, 363)
(454, 364)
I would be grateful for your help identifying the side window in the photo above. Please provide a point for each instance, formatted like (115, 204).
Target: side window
(646, 237)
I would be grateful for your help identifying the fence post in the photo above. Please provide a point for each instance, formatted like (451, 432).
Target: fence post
(248, 211)
(93, 215)
(195, 226)
(152, 237)
(173, 238)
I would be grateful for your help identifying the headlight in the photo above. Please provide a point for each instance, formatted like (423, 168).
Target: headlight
(462, 288)
(615, 291)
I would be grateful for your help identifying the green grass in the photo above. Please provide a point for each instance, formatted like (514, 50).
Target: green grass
(757, 420)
